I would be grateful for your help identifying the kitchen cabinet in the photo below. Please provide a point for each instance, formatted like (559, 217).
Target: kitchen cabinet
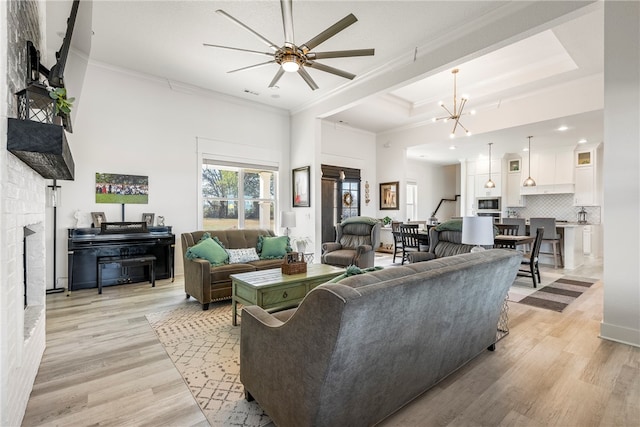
(585, 187)
(585, 178)
(470, 197)
(586, 240)
(514, 198)
(551, 169)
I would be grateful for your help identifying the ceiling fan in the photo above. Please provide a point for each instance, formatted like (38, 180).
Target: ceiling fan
(294, 58)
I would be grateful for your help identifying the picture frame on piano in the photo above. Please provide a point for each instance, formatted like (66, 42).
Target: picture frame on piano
(98, 218)
(148, 218)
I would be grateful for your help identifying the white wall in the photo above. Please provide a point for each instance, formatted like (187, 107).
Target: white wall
(352, 148)
(135, 124)
(435, 182)
(621, 317)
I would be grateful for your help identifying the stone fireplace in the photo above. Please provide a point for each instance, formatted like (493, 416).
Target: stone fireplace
(22, 204)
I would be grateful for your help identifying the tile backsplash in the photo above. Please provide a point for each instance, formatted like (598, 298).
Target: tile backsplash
(559, 206)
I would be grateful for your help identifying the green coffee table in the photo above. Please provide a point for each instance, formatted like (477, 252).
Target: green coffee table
(272, 290)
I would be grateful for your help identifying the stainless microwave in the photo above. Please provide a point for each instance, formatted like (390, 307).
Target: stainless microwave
(488, 204)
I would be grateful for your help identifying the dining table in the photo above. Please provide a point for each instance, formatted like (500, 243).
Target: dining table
(512, 241)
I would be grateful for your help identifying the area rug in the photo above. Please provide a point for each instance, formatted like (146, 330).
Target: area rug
(556, 295)
(205, 349)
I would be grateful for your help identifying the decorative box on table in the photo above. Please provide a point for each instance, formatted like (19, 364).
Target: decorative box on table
(294, 263)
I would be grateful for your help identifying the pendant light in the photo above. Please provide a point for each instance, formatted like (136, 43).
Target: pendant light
(490, 184)
(529, 182)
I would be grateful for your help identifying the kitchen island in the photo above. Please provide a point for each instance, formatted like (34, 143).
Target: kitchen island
(571, 238)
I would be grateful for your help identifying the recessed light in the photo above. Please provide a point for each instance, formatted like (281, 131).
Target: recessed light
(563, 128)
(525, 149)
(452, 147)
(582, 141)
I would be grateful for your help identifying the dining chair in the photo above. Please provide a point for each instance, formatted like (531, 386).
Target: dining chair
(410, 239)
(397, 239)
(520, 222)
(529, 264)
(506, 230)
(550, 236)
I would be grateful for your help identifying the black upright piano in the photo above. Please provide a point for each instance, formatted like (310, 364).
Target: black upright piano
(86, 245)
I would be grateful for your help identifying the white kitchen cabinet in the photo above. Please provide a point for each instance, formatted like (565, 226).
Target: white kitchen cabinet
(585, 186)
(564, 167)
(586, 240)
(470, 197)
(552, 170)
(514, 198)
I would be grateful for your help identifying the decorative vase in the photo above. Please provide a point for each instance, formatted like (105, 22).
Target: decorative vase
(302, 246)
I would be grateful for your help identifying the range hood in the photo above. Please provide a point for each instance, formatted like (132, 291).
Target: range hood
(42, 146)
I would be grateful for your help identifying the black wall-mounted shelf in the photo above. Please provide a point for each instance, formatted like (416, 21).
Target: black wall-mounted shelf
(42, 146)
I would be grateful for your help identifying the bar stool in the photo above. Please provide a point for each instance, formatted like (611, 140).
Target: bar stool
(550, 236)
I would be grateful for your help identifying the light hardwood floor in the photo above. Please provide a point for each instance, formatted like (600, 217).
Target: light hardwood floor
(104, 366)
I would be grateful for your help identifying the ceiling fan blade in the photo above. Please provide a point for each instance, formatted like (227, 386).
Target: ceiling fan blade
(239, 49)
(252, 66)
(329, 69)
(329, 32)
(259, 36)
(276, 78)
(287, 20)
(340, 54)
(307, 78)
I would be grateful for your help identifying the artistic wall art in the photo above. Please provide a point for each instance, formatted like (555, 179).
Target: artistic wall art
(301, 187)
(389, 197)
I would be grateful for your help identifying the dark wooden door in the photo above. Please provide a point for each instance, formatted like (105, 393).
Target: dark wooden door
(329, 209)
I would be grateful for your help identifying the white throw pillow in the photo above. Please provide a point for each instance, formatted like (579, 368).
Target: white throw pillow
(237, 256)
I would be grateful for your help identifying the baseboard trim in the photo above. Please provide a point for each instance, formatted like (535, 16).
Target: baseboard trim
(620, 334)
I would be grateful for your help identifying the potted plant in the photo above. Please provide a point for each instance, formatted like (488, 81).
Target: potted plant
(63, 104)
(386, 221)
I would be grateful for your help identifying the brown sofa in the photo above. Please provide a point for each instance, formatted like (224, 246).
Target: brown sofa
(208, 283)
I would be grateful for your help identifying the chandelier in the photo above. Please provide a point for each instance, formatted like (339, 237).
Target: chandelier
(456, 113)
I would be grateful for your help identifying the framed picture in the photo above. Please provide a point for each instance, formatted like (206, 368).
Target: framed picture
(98, 218)
(301, 187)
(117, 188)
(148, 218)
(389, 197)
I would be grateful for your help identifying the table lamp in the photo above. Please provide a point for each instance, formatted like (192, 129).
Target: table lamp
(477, 230)
(287, 220)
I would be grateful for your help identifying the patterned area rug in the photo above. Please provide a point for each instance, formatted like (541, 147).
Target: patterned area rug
(555, 296)
(205, 349)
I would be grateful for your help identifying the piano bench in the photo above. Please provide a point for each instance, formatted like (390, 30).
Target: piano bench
(128, 261)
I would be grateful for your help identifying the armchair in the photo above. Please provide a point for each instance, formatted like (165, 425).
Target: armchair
(356, 241)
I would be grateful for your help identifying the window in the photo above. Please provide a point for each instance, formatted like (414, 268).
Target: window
(238, 196)
(412, 201)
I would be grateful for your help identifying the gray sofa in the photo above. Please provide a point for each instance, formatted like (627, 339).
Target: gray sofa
(207, 283)
(356, 351)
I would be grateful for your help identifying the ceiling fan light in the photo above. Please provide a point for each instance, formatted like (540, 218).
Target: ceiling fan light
(290, 64)
(452, 135)
(468, 133)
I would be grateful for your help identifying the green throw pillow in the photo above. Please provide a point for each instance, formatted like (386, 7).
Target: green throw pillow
(273, 247)
(451, 225)
(210, 250)
(352, 270)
